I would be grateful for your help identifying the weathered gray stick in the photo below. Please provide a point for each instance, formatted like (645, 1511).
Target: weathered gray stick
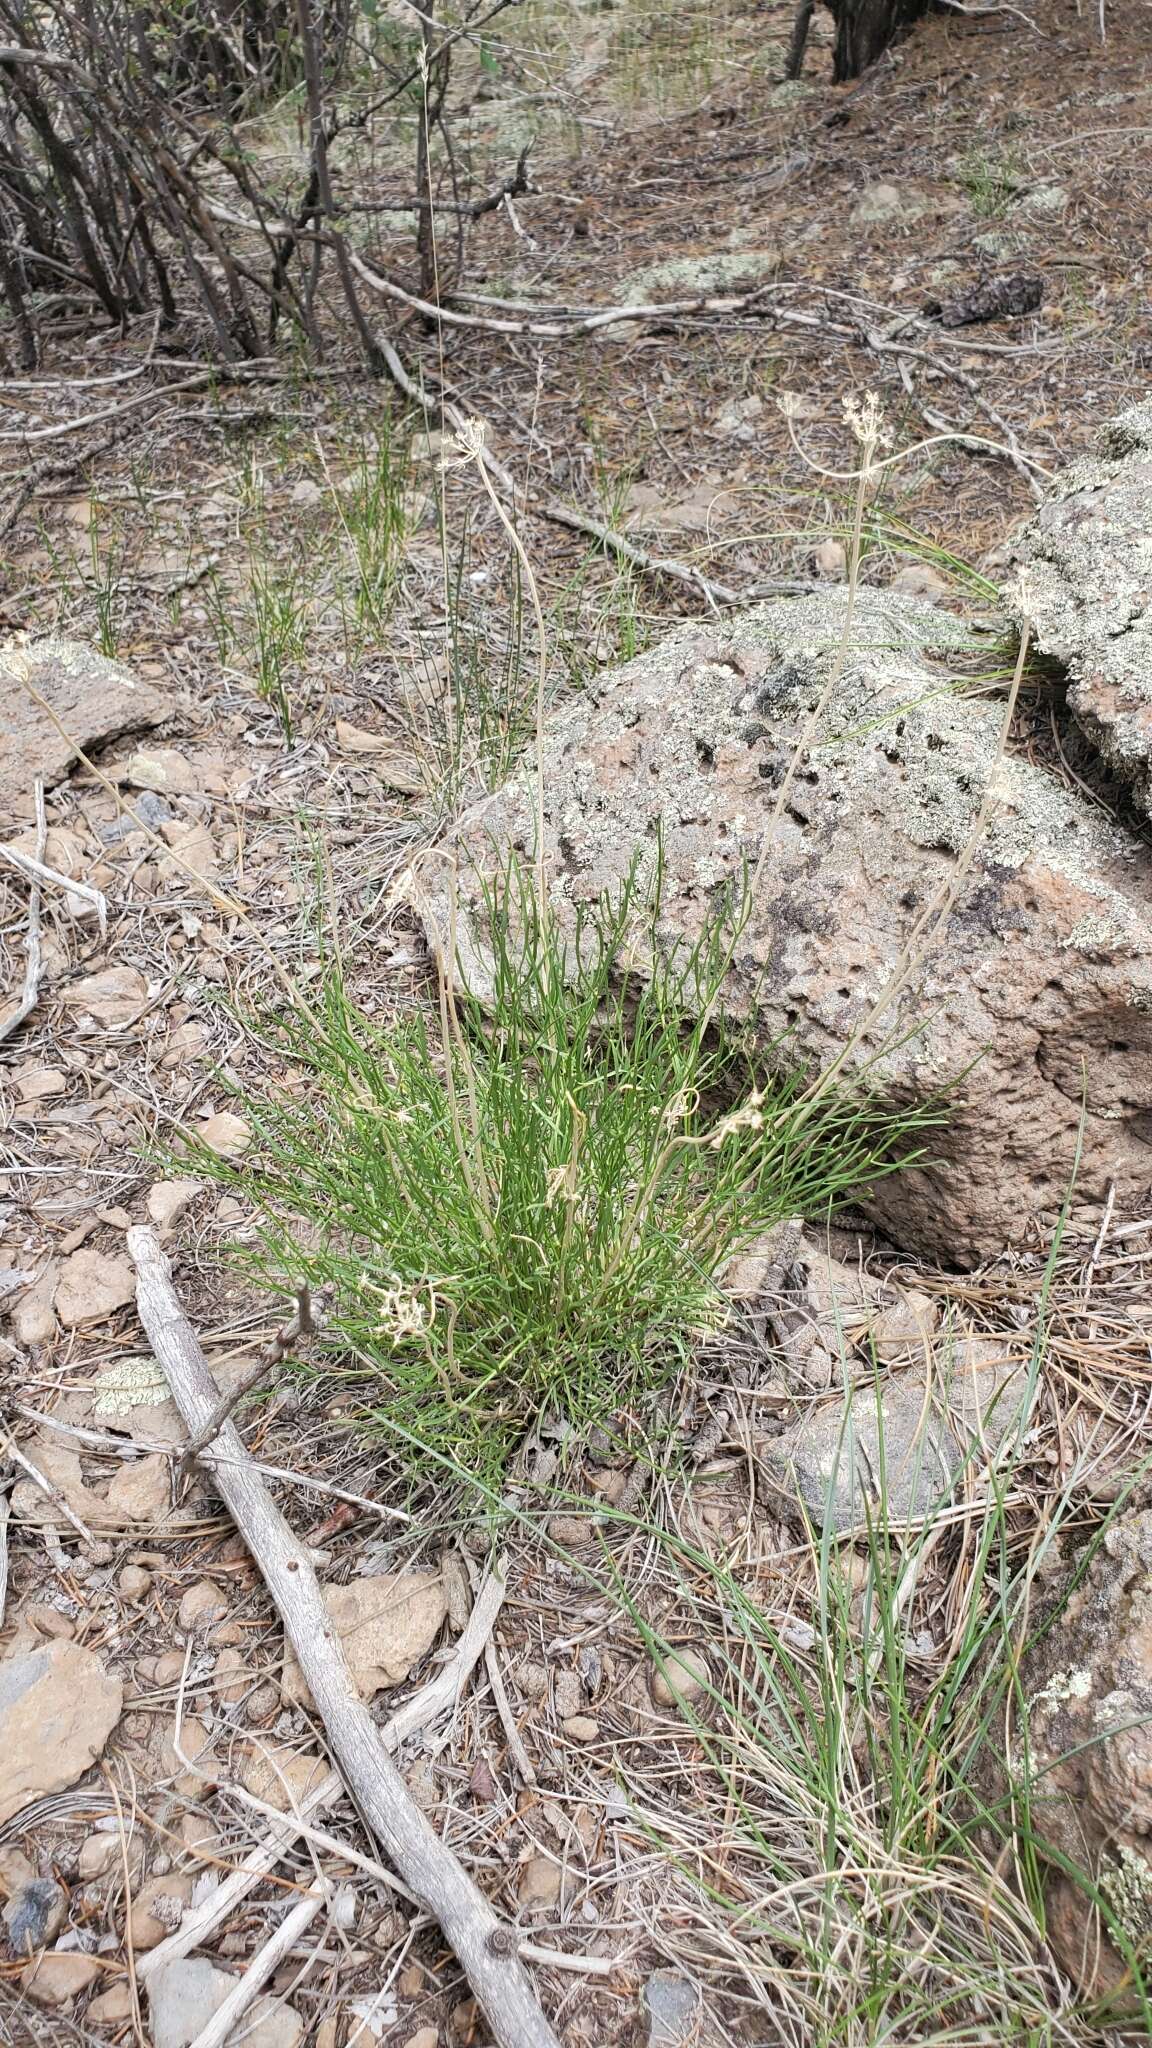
(485, 1945)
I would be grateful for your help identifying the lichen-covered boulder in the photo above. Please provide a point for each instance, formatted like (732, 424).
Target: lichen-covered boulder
(1088, 1688)
(1035, 998)
(56, 698)
(1083, 576)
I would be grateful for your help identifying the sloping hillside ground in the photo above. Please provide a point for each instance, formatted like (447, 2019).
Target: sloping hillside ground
(325, 609)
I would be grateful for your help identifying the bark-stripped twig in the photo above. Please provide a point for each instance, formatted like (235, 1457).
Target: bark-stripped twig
(30, 993)
(486, 1946)
(304, 1323)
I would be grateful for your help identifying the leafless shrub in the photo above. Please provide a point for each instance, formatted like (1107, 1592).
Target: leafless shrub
(128, 181)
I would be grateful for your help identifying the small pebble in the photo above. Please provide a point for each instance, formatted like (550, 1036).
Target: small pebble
(34, 1915)
(581, 1728)
(684, 1677)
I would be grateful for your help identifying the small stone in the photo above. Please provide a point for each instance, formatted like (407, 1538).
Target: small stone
(201, 1605)
(58, 1464)
(386, 1624)
(187, 1993)
(134, 1582)
(158, 1909)
(906, 1329)
(830, 561)
(33, 1318)
(683, 1678)
(230, 1672)
(581, 1728)
(918, 580)
(15, 1872)
(262, 1706)
(283, 1777)
(193, 854)
(199, 1836)
(885, 202)
(87, 700)
(539, 1884)
(113, 997)
(55, 1980)
(48, 1621)
(1046, 199)
(225, 1134)
(423, 1784)
(567, 1694)
(34, 1915)
(532, 1680)
(98, 1855)
(168, 1200)
(41, 1082)
(674, 2015)
(141, 1491)
(110, 2008)
(58, 1706)
(164, 770)
(197, 1767)
(894, 1450)
(92, 1287)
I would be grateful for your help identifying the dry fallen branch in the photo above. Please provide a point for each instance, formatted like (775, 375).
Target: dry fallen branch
(30, 993)
(36, 871)
(303, 1323)
(450, 415)
(224, 2024)
(438, 1697)
(3, 1555)
(485, 1945)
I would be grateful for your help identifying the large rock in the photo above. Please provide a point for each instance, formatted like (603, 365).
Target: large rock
(1084, 568)
(1088, 1684)
(94, 700)
(1035, 1000)
(58, 1706)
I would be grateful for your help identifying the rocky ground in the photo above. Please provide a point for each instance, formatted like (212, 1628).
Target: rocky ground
(217, 546)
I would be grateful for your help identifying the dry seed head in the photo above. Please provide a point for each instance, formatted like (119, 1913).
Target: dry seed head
(866, 418)
(402, 1313)
(747, 1118)
(470, 439)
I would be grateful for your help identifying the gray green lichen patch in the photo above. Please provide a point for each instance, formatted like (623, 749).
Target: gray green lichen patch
(1127, 1887)
(1083, 577)
(1064, 1686)
(719, 271)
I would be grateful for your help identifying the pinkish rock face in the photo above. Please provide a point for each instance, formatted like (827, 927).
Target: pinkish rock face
(1088, 1685)
(1037, 989)
(1084, 578)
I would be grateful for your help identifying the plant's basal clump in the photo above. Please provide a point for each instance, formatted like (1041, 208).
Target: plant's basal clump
(529, 1211)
